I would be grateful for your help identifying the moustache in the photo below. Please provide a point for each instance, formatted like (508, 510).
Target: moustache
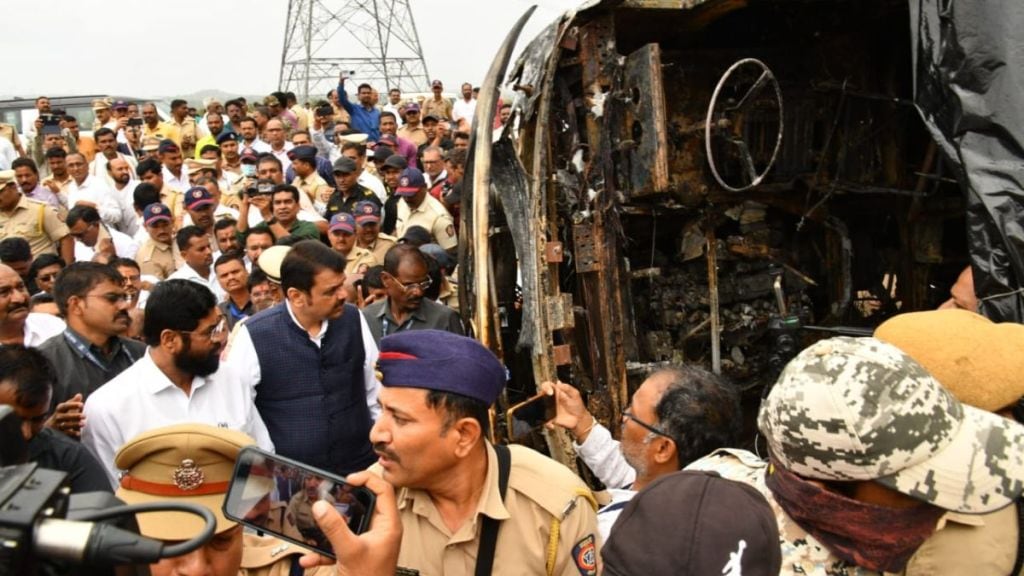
(16, 307)
(123, 316)
(382, 451)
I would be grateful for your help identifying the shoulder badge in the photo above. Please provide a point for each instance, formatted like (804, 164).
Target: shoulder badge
(584, 554)
(188, 476)
(450, 230)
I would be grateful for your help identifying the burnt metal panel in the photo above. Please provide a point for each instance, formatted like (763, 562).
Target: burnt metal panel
(644, 136)
(587, 254)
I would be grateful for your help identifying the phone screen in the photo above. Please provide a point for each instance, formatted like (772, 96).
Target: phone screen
(275, 495)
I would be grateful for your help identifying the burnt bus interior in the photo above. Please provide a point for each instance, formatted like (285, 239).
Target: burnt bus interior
(850, 219)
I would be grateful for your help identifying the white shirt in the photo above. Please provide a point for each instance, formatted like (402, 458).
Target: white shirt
(141, 236)
(142, 398)
(124, 245)
(93, 190)
(282, 155)
(370, 181)
(394, 109)
(258, 146)
(125, 199)
(98, 167)
(242, 355)
(463, 109)
(431, 181)
(175, 183)
(186, 272)
(7, 154)
(41, 327)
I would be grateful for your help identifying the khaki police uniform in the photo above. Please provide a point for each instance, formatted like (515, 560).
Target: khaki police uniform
(64, 188)
(175, 200)
(358, 260)
(11, 133)
(265, 556)
(163, 130)
(36, 222)
(449, 295)
(315, 187)
(441, 108)
(299, 515)
(546, 508)
(417, 135)
(193, 463)
(381, 246)
(431, 215)
(186, 129)
(159, 259)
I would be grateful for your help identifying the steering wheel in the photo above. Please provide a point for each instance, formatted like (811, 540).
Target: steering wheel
(728, 123)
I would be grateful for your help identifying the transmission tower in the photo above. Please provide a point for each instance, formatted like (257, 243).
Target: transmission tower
(372, 41)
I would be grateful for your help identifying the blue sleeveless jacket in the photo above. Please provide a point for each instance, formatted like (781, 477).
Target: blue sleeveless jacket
(313, 400)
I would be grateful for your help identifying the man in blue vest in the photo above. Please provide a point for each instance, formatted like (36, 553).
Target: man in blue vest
(310, 361)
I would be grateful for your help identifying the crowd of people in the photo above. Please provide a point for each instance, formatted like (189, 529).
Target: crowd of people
(282, 276)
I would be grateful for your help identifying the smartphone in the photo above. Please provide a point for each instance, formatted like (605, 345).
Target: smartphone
(51, 119)
(135, 121)
(534, 411)
(273, 494)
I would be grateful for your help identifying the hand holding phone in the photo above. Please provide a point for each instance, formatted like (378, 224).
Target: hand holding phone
(368, 554)
(276, 495)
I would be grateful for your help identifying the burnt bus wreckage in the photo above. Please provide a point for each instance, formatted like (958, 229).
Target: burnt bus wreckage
(721, 183)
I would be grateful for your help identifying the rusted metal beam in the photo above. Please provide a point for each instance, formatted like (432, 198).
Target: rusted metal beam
(716, 336)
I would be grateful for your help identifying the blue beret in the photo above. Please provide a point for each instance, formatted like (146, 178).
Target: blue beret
(442, 361)
(307, 153)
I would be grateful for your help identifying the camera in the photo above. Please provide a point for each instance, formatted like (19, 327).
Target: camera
(262, 187)
(45, 529)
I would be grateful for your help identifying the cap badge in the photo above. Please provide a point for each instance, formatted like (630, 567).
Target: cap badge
(188, 476)
(197, 194)
(404, 181)
(156, 209)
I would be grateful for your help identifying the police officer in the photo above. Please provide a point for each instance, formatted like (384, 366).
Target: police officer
(421, 209)
(307, 180)
(368, 234)
(158, 256)
(349, 191)
(455, 487)
(33, 220)
(299, 522)
(194, 463)
(341, 232)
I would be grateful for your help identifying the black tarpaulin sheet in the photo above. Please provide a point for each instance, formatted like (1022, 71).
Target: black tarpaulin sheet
(969, 88)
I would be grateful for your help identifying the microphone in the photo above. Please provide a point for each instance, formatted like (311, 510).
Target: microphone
(85, 543)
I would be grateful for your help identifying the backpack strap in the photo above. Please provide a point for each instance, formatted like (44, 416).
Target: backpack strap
(489, 527)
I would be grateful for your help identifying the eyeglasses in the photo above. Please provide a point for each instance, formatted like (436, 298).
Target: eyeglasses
(110, 297)
(409, 288)
(626, 415)
(210, 333)
(82, 233)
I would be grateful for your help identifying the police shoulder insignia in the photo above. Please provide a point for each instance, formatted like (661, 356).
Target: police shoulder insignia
(450, 230)
(584, 554)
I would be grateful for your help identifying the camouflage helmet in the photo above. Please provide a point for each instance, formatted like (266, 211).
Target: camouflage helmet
(860, 409)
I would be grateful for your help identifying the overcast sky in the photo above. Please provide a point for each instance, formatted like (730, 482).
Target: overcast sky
(150, 48)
